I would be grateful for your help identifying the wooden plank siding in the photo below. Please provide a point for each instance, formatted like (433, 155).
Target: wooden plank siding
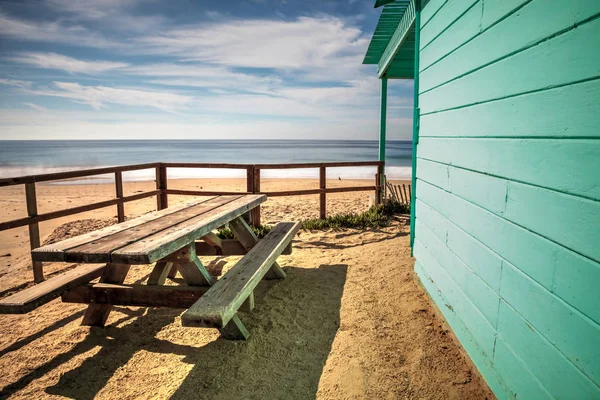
(508, 200)
(499, 42)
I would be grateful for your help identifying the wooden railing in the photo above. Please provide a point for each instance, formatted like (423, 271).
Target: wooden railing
(401, 193)
(162, 191)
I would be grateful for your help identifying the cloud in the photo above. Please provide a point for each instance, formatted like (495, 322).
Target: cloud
(118, 14)
(65, 63)
(351, 103)
(36, 107)
(73, 129)
(312, 48)
(306, 42)
(202, 75)
(15, 82)
(352, 93)
(92, 9)
(124, 123)
(99, 96)
(52, 32)
(306, 70)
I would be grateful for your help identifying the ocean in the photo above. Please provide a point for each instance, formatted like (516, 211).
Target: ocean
(20, 157)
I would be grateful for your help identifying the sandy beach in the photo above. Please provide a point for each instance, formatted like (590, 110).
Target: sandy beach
(350, 322)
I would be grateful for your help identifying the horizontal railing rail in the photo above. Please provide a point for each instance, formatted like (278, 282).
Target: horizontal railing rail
(162, 191)
(58, 176)
(15, 223)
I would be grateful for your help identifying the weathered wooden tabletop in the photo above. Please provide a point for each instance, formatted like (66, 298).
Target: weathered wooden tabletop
(153, 236)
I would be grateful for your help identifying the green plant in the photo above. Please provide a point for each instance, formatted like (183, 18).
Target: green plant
(375, 217)
(394, 207)
(260, 232)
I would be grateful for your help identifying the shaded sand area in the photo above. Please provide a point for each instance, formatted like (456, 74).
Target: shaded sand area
(349, 322)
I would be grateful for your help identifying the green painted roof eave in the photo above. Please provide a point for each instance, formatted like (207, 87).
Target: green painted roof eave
(392, 46)
(379, 3)
(390, 18)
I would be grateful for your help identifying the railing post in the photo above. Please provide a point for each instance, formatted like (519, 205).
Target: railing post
(161, 184)
(34, 230)
(256, 189)
(379, 182)
(323, 195)
(119, 195)
(377, 190)
(249, 189)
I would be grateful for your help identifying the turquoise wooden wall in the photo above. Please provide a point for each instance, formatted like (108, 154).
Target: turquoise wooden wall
(508, 188)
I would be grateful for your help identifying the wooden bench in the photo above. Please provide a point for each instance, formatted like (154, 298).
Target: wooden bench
(218, 307)
(33, 297)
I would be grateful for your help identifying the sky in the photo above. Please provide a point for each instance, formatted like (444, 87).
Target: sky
(183, 69)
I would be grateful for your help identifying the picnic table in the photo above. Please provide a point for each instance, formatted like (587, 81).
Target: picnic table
(171, 240)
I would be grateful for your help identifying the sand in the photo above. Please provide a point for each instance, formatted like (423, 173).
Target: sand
(350, 322)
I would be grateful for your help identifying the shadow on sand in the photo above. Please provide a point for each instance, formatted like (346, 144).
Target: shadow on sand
(292, 329)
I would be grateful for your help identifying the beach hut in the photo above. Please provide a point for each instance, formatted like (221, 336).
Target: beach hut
(505, 223)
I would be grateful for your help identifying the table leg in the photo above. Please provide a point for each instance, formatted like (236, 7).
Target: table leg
(248, 305)
(173, 271)
(97, 314)
(195, 274)
(248, 239)
(159, 274)
(235, 330)
(186, 261)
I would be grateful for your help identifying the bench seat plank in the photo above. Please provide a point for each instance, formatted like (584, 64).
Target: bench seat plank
(33, 297)
(219, 305)
(154, 247)
(100, 249)
(56, 251)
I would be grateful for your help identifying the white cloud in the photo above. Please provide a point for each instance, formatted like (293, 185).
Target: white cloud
(311, 48)
(99, 96)
(325, 104)
(65, 63)
(280, 66)
(202, 75)
(52, 32)
(304, 43)
(62, 129)
(115, 13)
(15, 82)
(119, 123)
(92, 9)
(353, 93)
(36, 107)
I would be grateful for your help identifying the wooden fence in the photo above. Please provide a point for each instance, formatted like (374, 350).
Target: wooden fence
(162, 191)
(399, 193)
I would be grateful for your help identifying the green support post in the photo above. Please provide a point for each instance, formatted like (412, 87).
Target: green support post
(383, 120)
(382, 131)
(417, 112)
